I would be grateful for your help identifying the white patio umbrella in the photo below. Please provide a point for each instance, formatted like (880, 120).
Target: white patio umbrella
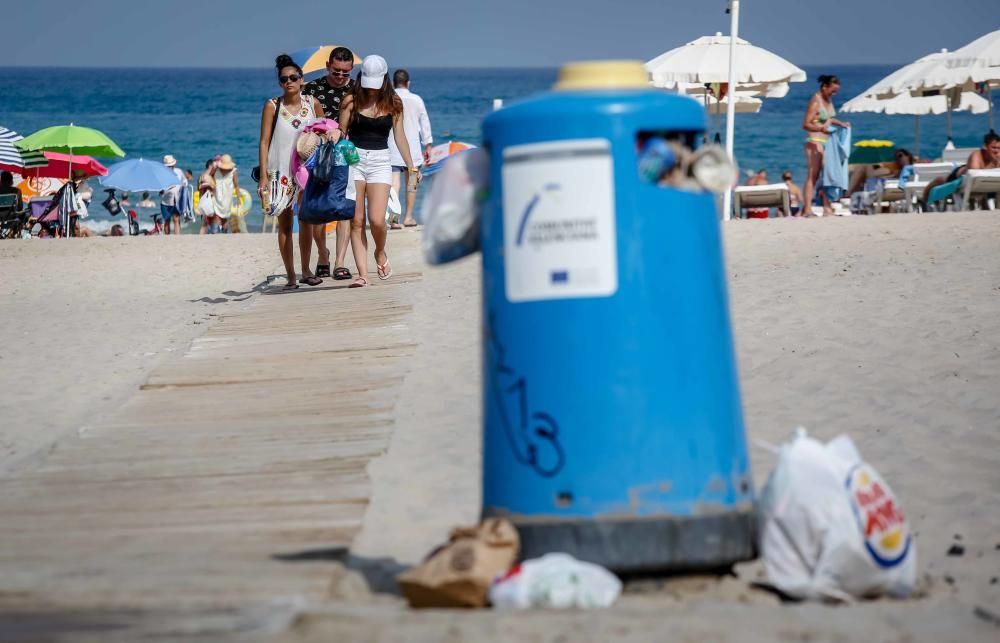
(979, 62)
(706, 60)
(916, 106)
(722, 59)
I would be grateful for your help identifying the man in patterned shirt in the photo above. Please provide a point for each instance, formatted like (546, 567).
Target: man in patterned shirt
(330, 90)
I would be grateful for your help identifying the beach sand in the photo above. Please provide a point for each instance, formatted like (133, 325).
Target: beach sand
(885, 328)
(86, 321)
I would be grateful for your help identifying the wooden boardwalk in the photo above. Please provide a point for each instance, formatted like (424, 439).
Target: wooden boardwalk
(253, 444)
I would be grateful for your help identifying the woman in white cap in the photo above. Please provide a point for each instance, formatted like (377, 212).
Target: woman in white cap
(368, 115)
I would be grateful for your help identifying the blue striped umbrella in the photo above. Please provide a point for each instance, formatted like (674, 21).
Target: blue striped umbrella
(12, 157)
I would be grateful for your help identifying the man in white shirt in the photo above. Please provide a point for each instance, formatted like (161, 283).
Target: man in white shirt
(170, 208)
(417, 126)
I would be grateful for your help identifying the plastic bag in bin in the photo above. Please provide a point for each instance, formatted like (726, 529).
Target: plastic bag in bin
(452, 211)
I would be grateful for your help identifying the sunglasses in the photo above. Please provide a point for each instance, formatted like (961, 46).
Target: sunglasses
(286, 79)
(342, 74)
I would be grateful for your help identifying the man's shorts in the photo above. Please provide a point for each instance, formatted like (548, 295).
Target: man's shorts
(167, 211)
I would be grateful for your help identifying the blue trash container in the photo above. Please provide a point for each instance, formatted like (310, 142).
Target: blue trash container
(613, 429)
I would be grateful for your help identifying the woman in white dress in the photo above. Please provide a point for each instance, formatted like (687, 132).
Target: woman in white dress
(281, 122)
(227, 185)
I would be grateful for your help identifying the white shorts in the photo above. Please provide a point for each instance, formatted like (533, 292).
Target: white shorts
(375, 167)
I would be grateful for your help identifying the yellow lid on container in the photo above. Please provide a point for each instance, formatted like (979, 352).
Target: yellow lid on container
(603, 74)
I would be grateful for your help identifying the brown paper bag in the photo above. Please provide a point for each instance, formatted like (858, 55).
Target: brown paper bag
(459, 573)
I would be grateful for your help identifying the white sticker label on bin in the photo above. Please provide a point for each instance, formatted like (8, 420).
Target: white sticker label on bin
(559, 220)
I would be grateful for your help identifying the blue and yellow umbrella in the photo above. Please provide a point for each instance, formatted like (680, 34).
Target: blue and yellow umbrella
(313, 59)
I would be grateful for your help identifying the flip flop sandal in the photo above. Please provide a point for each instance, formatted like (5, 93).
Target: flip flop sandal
(311, 281)
(395, 226)
(341, 273)
(290, 287)
(322, 270)
(410, 225)
(384, 271)
(360, 282)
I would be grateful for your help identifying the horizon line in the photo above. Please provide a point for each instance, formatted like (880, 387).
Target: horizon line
(428, 67)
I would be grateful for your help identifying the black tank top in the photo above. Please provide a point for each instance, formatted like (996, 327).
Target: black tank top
(371, 133)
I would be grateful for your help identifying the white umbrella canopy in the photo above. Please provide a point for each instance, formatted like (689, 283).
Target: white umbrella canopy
(706, 60)
(916, 105)
(980, 58)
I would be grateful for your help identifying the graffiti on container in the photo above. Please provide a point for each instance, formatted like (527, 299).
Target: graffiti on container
(532, 435)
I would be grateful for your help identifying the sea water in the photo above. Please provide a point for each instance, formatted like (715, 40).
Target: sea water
(195, 114)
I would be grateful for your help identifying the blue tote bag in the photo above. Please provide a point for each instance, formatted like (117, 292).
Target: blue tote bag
(325, 198)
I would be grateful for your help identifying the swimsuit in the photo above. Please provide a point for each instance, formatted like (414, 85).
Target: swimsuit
(820, 137)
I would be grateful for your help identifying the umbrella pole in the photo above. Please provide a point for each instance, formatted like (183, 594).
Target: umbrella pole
(950, 144)
(734, 29)
(916, 135)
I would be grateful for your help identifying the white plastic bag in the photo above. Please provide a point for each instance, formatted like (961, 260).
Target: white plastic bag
(831, 527)
(452, 211)
(557, 581)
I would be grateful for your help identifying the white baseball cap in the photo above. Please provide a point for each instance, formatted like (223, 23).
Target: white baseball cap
(373, 72)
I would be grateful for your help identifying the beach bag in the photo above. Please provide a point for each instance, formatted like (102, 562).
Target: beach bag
(111, 204)
(830, 526)
(325, 197)
(460, 573)
(206, 205)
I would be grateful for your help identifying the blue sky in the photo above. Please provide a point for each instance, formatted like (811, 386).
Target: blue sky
(471, 33)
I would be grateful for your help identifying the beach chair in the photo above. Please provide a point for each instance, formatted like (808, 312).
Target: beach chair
(774, 195)
(924, 173)
(958, 156)
(12, 220)
(979, 183)
(888, 191)
(944, 191)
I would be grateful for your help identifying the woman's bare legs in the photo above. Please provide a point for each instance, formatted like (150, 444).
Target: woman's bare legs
(305, 247)
(814, 159)
(378, 199)
(285, 245)
(359, 239)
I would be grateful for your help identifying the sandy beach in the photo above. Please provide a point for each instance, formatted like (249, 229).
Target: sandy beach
(885, 328)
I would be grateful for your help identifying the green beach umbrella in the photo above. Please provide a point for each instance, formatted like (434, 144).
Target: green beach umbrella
(71, 139)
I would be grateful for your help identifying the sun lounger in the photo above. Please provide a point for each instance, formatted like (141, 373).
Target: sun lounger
(888, 191)
(958, 156)
(980, 183)
(924, 174)
(774, 195)
(943, 191)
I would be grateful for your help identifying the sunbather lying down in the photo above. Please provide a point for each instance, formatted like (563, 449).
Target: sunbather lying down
(985, 158)
(860, 175)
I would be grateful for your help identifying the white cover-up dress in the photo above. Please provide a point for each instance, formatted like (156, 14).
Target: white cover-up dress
(279, 155)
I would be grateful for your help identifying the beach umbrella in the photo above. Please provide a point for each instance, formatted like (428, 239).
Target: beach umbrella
(138, 175)
(312, 59)
(725, 59)
(917, 106)
(70, 139)
(62, 165)
(706, 60)
(980, 61)
(12, 158)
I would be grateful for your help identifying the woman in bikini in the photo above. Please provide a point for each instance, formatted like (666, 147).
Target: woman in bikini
(819, 117)
(280, 124)
(368, 115)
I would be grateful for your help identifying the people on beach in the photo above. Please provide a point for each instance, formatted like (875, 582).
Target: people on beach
(281, 121)
(7, 187)
(794, 194)
(170, 199)
(330, 91)
(227, 187)
(985, 158)
(818, 119)
(860, 176)
(760, 178)
(146, 202)
(206, 198)
(417, 126)
(368, 115)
